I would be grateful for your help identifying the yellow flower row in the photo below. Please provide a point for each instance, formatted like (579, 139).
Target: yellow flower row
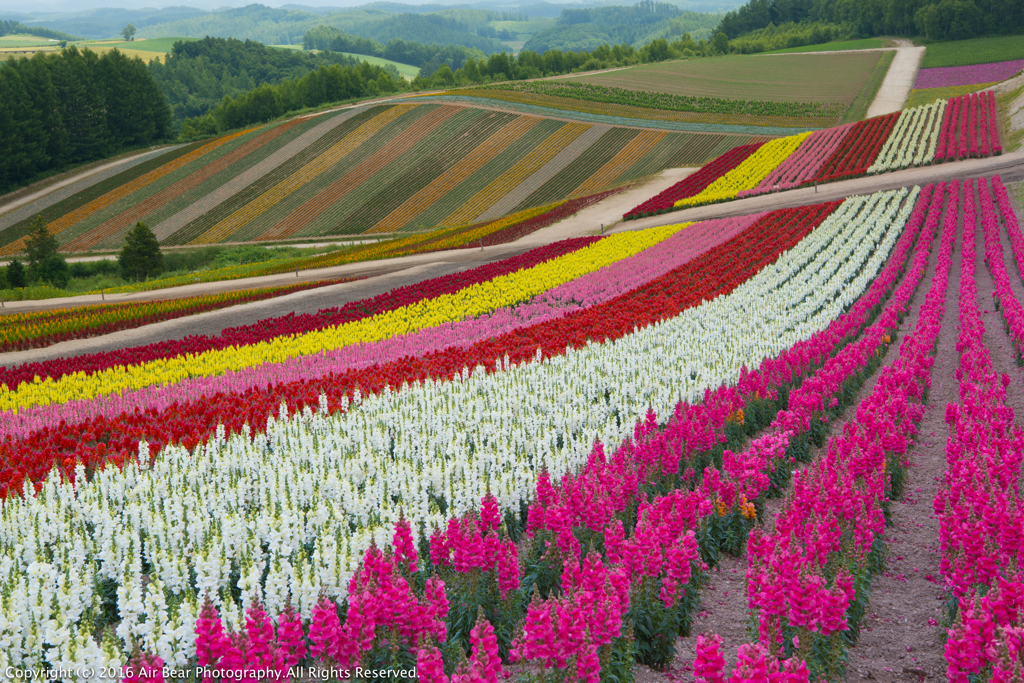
(748, 174)
(472, 301)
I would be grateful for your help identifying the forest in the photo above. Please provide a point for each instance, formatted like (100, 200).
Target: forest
(12, 27)
(934, 19)
(397, 50)
(197, 75)
(60, 110)
(586, 29)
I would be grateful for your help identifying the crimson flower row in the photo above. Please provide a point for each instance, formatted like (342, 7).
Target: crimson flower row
(693, 184)
(969, 128)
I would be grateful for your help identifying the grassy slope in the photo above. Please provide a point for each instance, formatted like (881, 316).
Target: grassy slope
(859, 108)
(865, 44)
(788, 78)
(974, 51)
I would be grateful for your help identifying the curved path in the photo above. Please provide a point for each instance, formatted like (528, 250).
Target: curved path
(381, 276)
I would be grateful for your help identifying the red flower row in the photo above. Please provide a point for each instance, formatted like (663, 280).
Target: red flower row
(712, 274)
(969, 128)
(858, 150)
(694, 184)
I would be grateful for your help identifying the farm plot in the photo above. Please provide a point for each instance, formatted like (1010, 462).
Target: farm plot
(833, 79)
(580, 395)
(382, 169)
(592, 98)
(959, 128)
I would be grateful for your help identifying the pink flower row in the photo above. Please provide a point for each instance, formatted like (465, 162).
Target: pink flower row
(969, 128)
(584, 292)
(802, 164)
(830, 522)
(981, 530)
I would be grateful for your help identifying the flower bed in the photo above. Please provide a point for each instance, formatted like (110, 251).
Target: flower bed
(297, 452)
(951, 76)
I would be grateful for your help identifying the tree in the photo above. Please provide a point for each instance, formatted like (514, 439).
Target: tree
(128, 32)
(40, 244)
(15, 274)
(54, 270)
(721, 43)
(140, 257)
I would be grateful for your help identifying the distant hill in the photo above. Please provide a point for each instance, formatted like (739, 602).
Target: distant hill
(287, 27)
(586, 29)
(98, 24)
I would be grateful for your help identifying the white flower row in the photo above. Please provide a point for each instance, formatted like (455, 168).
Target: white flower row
(303, 500)
(913, 140)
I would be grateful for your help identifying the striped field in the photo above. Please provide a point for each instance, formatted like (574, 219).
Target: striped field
(389, 168)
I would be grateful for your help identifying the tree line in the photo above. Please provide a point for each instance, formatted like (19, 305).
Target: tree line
(9, 28)
(396, 50)
(935, 19)
(59, 110)
(197, 75)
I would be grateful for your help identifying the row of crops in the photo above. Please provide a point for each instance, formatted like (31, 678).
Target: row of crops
(960, 128)
(21, 331)
(383, 169)
(529, 466)
(645, 100)
(484, 233)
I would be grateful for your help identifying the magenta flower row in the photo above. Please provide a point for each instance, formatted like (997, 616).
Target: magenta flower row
(981, 529)
(975, 74)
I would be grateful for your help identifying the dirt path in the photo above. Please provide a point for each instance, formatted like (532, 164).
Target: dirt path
(898, 82)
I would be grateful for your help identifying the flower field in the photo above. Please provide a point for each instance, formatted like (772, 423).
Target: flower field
(974, 74)
(20, 331)
(383, 169)
(962, 127)
(534, 462)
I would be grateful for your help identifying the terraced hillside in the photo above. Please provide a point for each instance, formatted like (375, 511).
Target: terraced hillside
(372, 169)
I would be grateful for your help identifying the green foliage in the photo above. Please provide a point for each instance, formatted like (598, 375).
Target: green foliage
(15, 274)
(129, 32)
(197, 75)
(636, 25)
(12, 27)
(977, 51)
(140, 257)
(40, 244)
(323, 86)
(653, 100)
(862, 44)
(791, 35)
(938, 19)
(287, 27)
(53, 270)
(74, 107)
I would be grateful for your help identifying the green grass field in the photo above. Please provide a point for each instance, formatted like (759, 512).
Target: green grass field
(974, 51)
(407, 70)
(928, 95)
(24, 40)
(148, 44)
(865, 44)
(787, 78)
